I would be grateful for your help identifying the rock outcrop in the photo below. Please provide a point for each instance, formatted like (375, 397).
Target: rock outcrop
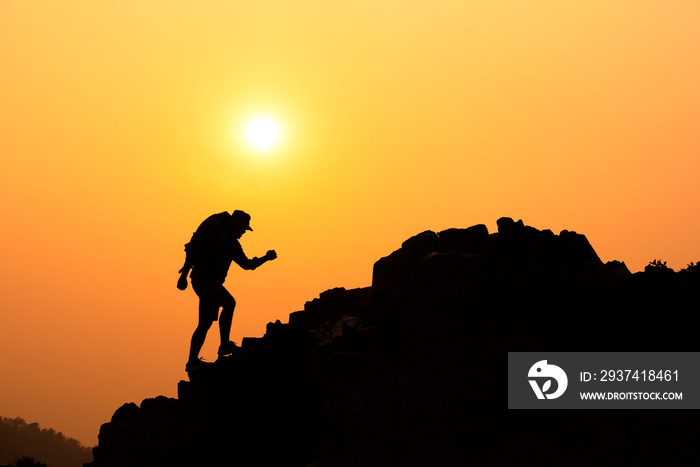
(412, 370)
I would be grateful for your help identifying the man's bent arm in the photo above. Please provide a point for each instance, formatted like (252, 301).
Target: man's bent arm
(252, 263)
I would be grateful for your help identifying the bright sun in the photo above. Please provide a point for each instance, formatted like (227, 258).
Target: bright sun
(262, 133)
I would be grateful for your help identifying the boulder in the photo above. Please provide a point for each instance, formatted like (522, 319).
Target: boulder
(469, 240)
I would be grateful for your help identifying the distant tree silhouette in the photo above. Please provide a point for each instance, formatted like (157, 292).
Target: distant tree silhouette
(657, 263)
(658, 267)
(22, 441)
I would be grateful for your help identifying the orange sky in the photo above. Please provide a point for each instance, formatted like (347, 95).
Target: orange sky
(118, 130)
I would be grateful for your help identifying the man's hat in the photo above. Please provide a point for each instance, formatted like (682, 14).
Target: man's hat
(241, 219)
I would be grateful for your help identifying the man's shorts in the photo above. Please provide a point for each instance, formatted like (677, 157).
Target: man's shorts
(212, 296)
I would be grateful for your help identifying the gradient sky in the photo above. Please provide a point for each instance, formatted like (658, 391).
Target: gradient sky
(119, 133)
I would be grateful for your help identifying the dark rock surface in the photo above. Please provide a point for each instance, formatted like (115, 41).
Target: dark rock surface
(412, 370)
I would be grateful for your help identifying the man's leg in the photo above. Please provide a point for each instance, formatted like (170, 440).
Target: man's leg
(226, 318)
(198, 337)
(208, 311)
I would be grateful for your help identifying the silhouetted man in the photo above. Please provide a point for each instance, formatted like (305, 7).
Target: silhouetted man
(209, 255)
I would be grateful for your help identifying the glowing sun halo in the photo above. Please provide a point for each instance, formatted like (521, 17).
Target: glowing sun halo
(262, 133)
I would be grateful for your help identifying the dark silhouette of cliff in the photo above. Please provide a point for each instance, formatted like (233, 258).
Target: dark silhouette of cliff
(412, 370)
(22, 443)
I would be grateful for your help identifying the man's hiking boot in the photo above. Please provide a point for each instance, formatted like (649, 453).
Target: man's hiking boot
(194, 365)
(228, 348)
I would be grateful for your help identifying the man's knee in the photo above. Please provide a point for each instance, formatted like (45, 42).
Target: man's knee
(229, 304)
(204, 324)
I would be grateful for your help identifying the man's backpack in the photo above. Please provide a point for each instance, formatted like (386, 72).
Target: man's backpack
(208, 239)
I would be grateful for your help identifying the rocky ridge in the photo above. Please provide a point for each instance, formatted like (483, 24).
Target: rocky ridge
(411, 371)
